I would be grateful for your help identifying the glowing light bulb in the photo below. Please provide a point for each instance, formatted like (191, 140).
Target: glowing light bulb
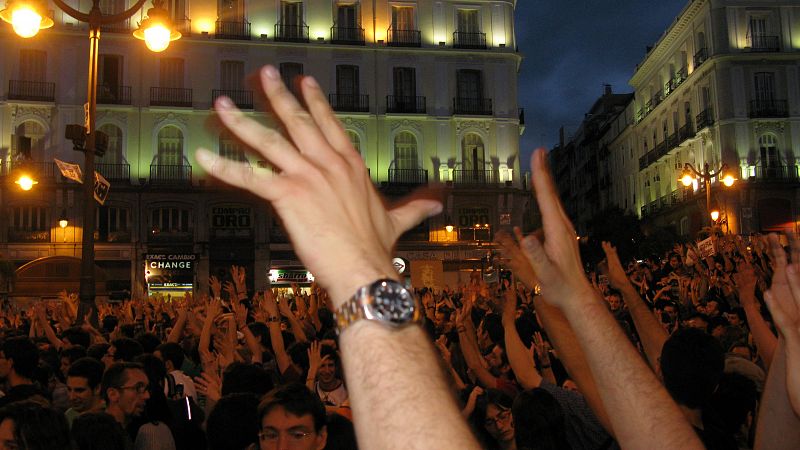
(714, 215)
(728, 180)
(449, 228)
(157, 38)
(26, 183)
(686, 180)
(26, 21)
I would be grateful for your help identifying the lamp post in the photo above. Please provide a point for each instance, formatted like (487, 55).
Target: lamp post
(690, 174)
(27, 18)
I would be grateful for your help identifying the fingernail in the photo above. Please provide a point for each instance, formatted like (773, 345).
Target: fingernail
(224, 102)
(311, 82)
(271, 72)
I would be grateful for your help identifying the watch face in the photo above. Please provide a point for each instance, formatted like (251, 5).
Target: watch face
(392, 302)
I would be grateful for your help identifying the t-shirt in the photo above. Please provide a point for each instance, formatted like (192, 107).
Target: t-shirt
(584, 431)
(336, 397)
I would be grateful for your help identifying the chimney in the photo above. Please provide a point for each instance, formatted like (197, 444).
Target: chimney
(607, 89)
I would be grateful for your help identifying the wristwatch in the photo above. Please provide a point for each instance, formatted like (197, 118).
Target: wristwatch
(385, 301)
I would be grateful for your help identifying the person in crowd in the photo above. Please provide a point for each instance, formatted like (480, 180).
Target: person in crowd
(27, 425)
(493, 413)
(233, 423)
(98, 431)
(19, 359)
(172, 355)
(291, 416)
(83, 387)
(125, 388)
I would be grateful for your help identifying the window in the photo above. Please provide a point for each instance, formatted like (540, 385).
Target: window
(347, 16)
(292, 14)
(467, 21)
(347, 85)
(170, 146)
(764, 87)
(113, 153)
(403, 18)
(109, 76)
(171, 73)
(32, 65)
(289, 73)
(469, 84)
(354, 140)
(405, 88)
(405, 151)
(768, 147)
(472, 153)
(177, 9)
(171, 220)
(111, 222)
(230, 10)
(109, 7)
(29, 218)
(230, 148)
(231, 75)
(28, 142)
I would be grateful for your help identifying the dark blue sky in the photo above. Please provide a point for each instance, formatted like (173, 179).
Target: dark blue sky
(571, 48)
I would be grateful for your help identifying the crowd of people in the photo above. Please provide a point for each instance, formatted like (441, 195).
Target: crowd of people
(684, 350)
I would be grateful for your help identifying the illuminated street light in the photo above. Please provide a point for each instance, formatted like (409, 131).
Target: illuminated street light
(156, 29)
(63, 221)
(714, 215)
(27, 18)
(25, 182)
(689, 174)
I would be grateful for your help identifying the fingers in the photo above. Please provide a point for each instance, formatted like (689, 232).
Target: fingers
(553, 215)
(325, 119)
(777, 252)
(409, 215)
(794, 245)
(240, 175)
(537, 257)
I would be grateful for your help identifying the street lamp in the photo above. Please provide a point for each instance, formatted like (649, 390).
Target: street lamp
(26, 182)
(690, 174)
(27, 18)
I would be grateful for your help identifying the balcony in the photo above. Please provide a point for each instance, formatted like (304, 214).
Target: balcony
(408, 176)
(232, 30)
(773, 173)
(25, 236)
(469, 40)
(763, 44)
(163, 96)
(115, 172)
(34, 91)
(403, 38)
(686, 131)
(171, 174)
(118, 27)
(242, 99)
(349, 102)
(472, 106)
(474, 177)
(183, 25)
(170, 237)
(291, 33)
(405, 104)
(705, 119)
(768, 108)
(347, 35)
(113, 95)
(700, 57)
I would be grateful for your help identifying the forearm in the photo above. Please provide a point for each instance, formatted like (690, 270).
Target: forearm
(633, 397)
(777, 427)
(766, 342)
(281, 357)
(651, 333)
(177, 330)
(520, 358)
(378, 360)
(297, 328)
(469, 349)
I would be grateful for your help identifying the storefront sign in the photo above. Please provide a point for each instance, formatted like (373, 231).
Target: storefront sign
(169, 272)
(471, 216)
(285, 277)
(231, 217)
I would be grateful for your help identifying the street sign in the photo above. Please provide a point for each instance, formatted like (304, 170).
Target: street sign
(101, 188)
(69, 170)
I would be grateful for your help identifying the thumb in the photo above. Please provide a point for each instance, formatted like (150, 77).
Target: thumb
(409, 215)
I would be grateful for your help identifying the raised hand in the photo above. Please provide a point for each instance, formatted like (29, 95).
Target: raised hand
(216, 286)
(208, 384)
(616, 273)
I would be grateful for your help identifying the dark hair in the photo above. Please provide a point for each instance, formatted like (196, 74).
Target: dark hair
(493, 324)
(126, 349)
(115, 376)
(88, 368)
(109, 323)
(97, 351)
(692, 362)
(296, 399)
(172, 352)
(539, 421)
(37, 427)
(148, 341)
(73, 353)
(241, 377)
(233, 424)
(77, 336)
(156, 408)
(491, 397)
(97, 431)
(735, 398)
(333, 355)
(24, 353)
(341, 433)
(261, 331)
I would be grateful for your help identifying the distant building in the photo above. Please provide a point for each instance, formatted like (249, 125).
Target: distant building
(426, 90)
(722, 85)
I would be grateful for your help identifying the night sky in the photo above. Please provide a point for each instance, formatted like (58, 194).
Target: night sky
(571, 48)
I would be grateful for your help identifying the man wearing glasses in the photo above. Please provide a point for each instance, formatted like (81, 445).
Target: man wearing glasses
(291, 416)
(125, 390)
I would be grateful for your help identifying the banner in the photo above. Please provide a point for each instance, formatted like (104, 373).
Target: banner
(169, 272)
(101, 188)
(427, 273)
(706, 247)
(69, 170)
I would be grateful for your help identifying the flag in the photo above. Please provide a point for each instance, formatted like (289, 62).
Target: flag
(101, 188)
(69, 170)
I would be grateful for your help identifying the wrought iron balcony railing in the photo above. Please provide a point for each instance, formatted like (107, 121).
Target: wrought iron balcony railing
(349, 102)
(115, 172)
(474, 106)
(347, 35)
(171, 174)
(232, 30)
(768, 108)
(705, 118)
(403, 38)
(469, 40)
(35, 91)
(773, 173)
(405, 104)
(118, 27)
(242, 99)
(114, 95)
(164, 96)
(23, 236)
(183, 25)
(475, 177)
(408, 176)
(761, 43)
(291, 33)
(700, 57)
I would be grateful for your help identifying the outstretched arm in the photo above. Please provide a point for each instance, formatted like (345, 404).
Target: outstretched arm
(519, 357)
(336, 218)
(766, 342)
(642, 414)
